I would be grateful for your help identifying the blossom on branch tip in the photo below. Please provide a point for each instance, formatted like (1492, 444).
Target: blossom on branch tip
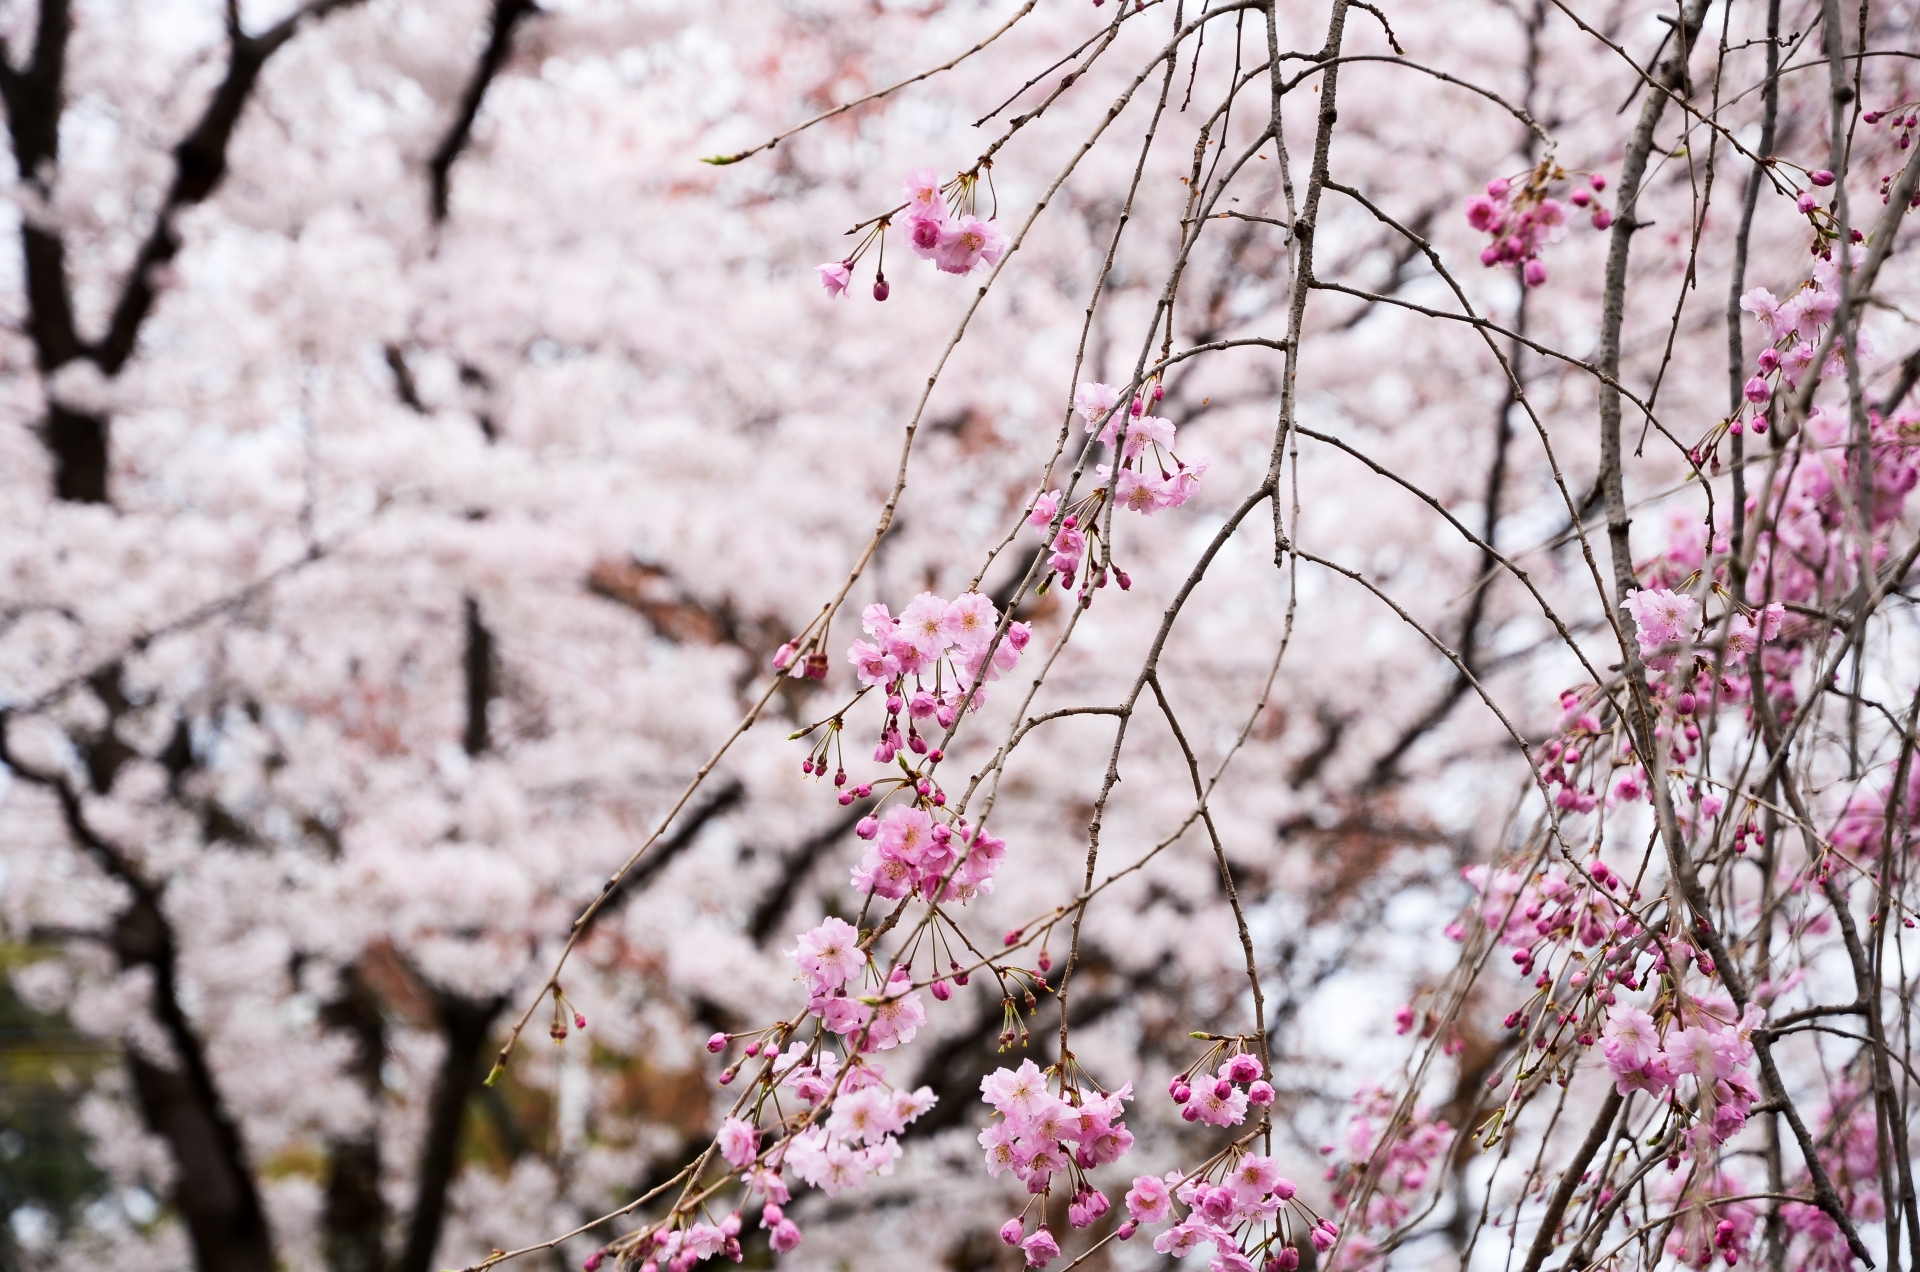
(835, 277)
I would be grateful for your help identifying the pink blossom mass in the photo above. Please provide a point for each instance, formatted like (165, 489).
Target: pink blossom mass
(1326, 677)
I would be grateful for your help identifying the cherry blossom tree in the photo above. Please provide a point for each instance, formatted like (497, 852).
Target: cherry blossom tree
(1270, 632)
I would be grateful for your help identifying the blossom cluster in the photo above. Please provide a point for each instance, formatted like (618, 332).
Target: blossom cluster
(1251, 1215)
(1149, 478)
(1223, 1097)
(1522, 219)
(1902, 121)
(941, 227)
(834, 965)
(950, 643)
(1401, 1160)
(1716, 1051)
(847, 1126)
(908, 852)
(1037, 1135)
(1847, 1130)
(1795, 328)
(1708, 1225)
(1534, 916)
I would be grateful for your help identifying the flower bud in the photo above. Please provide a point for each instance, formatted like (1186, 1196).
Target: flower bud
(1260, 1094)
(941, 990)
(867, 827)
(1821, 177)
(1011, 1231)
(717, 1043)
(880, 289)
(1601, 217)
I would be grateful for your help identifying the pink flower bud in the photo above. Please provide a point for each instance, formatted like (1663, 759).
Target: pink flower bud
(783, 657)
(1597, 181)
(1011, 1231)
(941, 990)
(1260, 1094)
(1580, 198)
(1126, 1230)
(594, 1260)
(717, 1043)
(1013, 936)
(785, 1236)
(1602, 218)
(1821, 178)
(1806, 201)
(1534, 272)
(867, 827)
(880, 289)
